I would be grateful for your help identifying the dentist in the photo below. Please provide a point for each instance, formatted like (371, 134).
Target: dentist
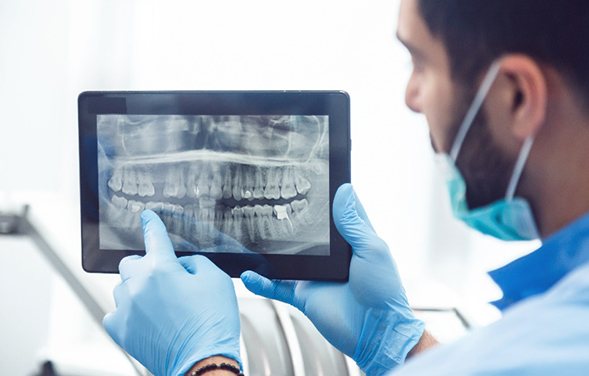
(504, 86)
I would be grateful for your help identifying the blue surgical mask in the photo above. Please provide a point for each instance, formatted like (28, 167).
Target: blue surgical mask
(510, 218)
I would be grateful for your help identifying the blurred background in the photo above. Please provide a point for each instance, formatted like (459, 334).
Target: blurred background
(53, 50)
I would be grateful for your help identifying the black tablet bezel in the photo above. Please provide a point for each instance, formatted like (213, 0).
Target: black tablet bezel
(335, 104)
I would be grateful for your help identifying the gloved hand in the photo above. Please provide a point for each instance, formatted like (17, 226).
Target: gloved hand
(367, 318)
(172, 313)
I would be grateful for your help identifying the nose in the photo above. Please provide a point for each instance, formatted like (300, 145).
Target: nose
(412, 94)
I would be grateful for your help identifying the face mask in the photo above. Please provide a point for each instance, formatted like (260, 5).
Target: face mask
(508, 219)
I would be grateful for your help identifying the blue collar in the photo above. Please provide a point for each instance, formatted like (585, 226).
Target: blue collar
(537, 272)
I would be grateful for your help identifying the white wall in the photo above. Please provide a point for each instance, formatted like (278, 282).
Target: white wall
(25, 294)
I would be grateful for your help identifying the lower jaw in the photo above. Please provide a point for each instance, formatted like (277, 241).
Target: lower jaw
(231, 229)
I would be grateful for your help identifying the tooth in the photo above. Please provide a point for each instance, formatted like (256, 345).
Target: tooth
(169, 224)
(216, 183)
(283, 222)
(179, 220)
(206, 203)
(282, 211)
(178, 214)
(154, 206)
(228, 227)
(181, 183)
(287, 189)
(237, 229)
(264, 221)
(277, 178)
(168, 215)
(168, 208)
(300, 214)
(258, 184)
(135, 206)
(116, 180)
(247, 181)
(202, 221)
(226, 222)
(130, 182)
(145, 185)
(203, 189)
(268, 183)
(210, 226)
(196, 226)
(269, 221)
(272, 190)
(227, 191)
(174, 186)
(191, 179)
(119, 202)
(303, 185)
(258, 222)
(248, 213)
(236, 183)
(189, 222)
(201, 226)
(218, 221)
(299, 205)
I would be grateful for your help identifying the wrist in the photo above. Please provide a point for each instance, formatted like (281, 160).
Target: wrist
(226, 350)
(386, 339)
(426, 341)
(218, 360)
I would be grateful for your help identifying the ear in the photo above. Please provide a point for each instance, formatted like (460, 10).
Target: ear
(527, 92)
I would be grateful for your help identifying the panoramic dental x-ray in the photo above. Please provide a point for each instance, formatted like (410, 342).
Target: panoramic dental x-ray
(235, 183)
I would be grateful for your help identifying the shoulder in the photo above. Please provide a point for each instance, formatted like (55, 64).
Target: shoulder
(573, 288)
(544, 335)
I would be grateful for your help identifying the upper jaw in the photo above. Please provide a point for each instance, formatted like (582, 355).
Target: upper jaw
(211, 180)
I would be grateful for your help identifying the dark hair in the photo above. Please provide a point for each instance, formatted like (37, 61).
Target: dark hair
(475, 32)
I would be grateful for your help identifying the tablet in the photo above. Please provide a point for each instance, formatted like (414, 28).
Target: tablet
(246, 178)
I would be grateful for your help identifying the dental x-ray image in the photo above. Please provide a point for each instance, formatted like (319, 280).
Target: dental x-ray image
(235, 183)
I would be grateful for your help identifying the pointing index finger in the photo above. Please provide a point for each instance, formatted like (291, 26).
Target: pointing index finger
(157, 242)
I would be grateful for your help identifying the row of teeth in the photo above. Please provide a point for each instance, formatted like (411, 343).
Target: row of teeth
(280, 211)
(237, 182)
(257, 222)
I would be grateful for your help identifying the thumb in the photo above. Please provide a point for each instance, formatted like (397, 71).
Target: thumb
(351, 220)
(283, 291)
(343, 194)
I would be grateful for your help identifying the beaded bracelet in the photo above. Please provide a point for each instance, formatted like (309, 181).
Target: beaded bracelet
(213, 367)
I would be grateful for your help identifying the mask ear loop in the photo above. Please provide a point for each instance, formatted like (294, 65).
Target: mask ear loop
(477, 103)
(518, 169)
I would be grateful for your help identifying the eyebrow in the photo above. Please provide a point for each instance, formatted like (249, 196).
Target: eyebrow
(415, 51)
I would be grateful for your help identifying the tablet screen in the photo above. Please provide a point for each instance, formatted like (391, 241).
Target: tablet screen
(220, 183)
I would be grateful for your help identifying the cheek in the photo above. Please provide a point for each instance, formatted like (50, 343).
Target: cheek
(437, 102)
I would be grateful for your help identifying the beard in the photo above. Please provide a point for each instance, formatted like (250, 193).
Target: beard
(485, 168)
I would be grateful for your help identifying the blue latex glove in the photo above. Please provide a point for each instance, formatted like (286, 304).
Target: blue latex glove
(368, 318)
(172, 312)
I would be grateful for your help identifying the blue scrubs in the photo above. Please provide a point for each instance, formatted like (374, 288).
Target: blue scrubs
(545, 324)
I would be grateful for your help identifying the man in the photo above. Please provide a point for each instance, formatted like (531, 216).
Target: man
(504, 86)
